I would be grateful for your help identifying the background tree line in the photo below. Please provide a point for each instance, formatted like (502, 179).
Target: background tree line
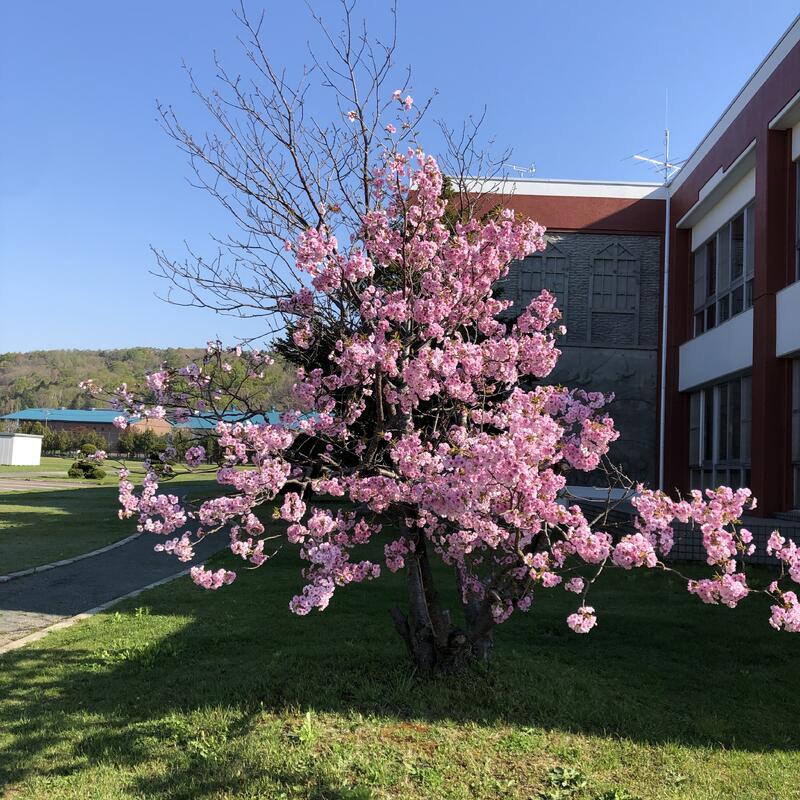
(50, 378)
(132, 443)
(147, 443)
(62, 442)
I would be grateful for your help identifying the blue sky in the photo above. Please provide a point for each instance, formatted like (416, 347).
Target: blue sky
(89, 180)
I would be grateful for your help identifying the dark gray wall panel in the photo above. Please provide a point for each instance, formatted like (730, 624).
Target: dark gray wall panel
(632, 376)
(610, 305)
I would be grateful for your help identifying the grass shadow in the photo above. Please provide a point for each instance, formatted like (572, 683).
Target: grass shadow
(219, 685)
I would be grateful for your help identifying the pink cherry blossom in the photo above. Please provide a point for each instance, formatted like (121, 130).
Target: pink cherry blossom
(195, 455)
(786, 616)
(583, 620)
(293, 508)
(575, 585)
(211, 580)
(634, 551)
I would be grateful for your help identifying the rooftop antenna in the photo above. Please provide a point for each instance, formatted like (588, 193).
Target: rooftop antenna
(668, 169)
(524, 172)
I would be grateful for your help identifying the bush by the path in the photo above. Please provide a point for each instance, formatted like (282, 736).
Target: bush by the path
(86, 469)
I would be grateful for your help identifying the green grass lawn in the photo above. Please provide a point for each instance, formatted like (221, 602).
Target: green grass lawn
(186, 694)
(39, 527)
(48, 464)
(55, 468)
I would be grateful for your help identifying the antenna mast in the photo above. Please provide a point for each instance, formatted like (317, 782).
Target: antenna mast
(665, 166)
(668, 169)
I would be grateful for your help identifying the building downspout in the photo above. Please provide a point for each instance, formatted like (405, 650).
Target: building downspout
(664, 317)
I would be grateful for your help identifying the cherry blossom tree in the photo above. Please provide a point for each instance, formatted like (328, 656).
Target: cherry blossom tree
(424, 415)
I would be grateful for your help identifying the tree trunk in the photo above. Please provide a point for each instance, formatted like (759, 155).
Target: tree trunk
(434, 644)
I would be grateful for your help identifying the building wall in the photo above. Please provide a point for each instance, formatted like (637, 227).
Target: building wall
(160, 426)
(607, 287)
(583, 210)
(105, 429)
(632, 375)
(109, 431)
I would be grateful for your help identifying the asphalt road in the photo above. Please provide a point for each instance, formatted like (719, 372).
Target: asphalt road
(44, 598)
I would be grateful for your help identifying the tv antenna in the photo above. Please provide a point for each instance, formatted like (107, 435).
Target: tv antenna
(524, 172)
(666, 167)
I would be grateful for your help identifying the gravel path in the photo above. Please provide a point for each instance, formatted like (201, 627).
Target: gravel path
(42, 599)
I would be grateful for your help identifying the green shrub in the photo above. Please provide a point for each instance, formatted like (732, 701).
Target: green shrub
(86, 469)
(88, 448)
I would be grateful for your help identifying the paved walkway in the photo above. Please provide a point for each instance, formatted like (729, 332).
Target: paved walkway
(44, 598)
(26, 484)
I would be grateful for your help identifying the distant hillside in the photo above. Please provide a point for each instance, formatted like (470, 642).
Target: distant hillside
(51, 377)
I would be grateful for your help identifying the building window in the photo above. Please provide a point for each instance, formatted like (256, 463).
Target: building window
(723, 272)
(614, 312)
(719, 434)
(615, 281)
(547, 270)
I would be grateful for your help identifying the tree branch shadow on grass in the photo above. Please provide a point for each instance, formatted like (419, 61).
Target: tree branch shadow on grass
(188, 680)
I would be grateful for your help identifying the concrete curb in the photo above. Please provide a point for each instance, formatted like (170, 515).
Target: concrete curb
(64, 562)
(70, 621)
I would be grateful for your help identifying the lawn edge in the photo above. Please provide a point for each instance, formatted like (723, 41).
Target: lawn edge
(70, 621)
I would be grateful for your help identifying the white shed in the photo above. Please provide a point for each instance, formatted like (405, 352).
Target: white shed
(20, 449)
